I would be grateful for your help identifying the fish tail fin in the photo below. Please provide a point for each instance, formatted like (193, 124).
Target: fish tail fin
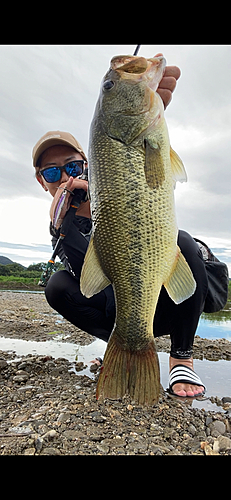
(130, 372)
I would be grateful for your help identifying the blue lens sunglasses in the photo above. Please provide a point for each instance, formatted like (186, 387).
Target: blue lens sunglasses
(72, 169)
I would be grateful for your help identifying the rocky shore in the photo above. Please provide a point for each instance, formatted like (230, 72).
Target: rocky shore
(47, 407)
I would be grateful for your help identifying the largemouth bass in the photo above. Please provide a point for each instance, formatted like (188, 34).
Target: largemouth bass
(132, 174)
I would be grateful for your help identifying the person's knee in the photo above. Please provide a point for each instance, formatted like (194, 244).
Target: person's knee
(190, 249)
(56, 289)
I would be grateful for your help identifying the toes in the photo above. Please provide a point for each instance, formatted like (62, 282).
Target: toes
(190, 392)
(181, 393)
(185, 390)
(195, 390)
(199, 389)
(179, 390)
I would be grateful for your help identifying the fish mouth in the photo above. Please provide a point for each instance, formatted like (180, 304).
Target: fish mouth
(139, 68)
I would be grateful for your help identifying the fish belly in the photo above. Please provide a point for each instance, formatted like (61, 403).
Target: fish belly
(135, 239)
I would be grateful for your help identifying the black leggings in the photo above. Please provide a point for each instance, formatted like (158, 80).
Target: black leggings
(91, 315)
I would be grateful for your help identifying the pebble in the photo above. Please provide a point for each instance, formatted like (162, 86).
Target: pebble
(224, 443)
(29, 451)
(61, 416)
(226, 400)
(94, 367)
(217, 427)
(20, 378)
(23, 308)
(3, 364)
(48, 410)
(39, 443)
(50, 451)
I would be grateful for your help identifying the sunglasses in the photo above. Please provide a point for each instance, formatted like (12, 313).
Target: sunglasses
(53, 174)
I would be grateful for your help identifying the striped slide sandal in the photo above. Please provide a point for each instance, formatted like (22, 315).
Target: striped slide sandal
(183, 374)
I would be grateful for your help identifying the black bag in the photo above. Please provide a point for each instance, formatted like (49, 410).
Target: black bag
(218, 280)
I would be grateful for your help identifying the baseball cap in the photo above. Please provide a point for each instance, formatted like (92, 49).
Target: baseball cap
(55, 138)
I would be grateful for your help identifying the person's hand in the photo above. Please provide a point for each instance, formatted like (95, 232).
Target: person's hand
(59, 208)
(74, 183)
(168, 83)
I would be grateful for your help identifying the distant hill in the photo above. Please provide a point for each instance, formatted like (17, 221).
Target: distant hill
(4, 260)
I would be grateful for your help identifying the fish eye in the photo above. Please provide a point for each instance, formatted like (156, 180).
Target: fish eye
(108, 85)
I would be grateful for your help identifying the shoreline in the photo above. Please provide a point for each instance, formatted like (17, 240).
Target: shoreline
(28, 316)
(49, 408)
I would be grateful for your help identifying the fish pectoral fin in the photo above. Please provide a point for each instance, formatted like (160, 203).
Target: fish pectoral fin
(92, 279)
(154, 165)
(181, 284)
(178, 170)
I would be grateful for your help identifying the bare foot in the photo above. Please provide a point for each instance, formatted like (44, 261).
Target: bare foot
(182, 389)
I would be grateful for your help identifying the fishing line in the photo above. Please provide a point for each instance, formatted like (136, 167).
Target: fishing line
(136, 50)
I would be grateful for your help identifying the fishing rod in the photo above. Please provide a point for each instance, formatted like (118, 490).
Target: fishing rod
(79, 195)
(137, 50)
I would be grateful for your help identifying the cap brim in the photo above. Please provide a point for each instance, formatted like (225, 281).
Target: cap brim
(54, 142)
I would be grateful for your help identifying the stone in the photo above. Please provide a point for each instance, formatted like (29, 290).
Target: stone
(50, 434)
(192, 429)
(209, 420)
(118, 442)
(79, 366)
(38, 443)
(72, 435)
(103, 448)
(30, 451)
(217, 427)
(63, 417)
(224, 443)
(3, 364)
(23, 308)
(226, 399)
(8, 312)
(21, 372)
(99, 419)
(55, 372)
(50, 451)
(20, 378)
(93, 368)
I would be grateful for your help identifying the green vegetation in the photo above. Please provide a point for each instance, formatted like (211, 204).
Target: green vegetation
(15, 276)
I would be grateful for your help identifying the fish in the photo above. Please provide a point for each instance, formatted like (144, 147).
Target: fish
(133, 246)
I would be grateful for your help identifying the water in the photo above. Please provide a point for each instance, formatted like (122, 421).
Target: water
(214, 329)
(216, 375)
(218, 385)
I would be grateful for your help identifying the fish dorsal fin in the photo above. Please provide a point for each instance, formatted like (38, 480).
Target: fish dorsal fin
(154, 166)
(92, 279)
(181, 284)
(178, 170)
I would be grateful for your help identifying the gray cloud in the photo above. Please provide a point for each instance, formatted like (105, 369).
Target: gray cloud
(56, 87)
(19, 246)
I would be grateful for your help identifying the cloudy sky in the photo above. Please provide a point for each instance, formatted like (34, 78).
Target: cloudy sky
(55, 87)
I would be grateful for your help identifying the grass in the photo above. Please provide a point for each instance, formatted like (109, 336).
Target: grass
(19, 283)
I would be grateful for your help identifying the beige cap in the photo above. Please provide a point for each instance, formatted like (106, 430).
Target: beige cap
(55, 138)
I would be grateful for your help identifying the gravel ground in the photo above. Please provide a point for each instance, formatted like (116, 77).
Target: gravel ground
(48, 408)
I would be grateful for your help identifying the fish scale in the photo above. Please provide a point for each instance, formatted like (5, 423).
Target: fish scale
(132, 171)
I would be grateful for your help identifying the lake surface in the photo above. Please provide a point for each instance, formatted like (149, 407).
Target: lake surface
(214, 329)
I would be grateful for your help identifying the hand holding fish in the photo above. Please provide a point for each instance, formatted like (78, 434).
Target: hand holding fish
(168, 83)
